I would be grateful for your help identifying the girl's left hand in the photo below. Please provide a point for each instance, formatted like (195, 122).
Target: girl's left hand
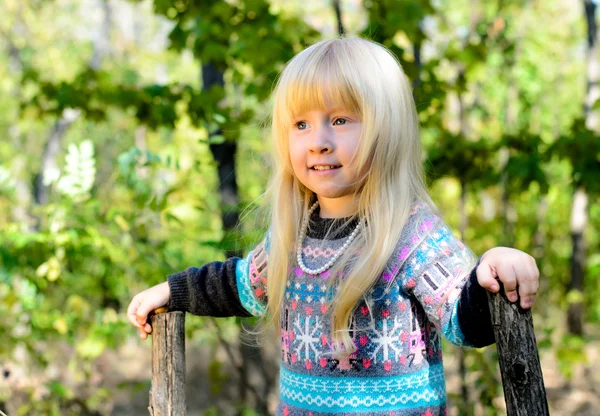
(515, 269)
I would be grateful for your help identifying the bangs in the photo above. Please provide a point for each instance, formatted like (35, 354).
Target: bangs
(319, 82)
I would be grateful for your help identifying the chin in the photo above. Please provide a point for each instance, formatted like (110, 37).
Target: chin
(332, 194)
(329, 192)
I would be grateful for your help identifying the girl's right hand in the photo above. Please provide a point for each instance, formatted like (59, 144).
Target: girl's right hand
(145, 302)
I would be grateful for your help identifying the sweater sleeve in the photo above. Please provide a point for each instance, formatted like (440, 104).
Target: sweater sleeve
(473, 312)
(235, 287)
(440, 273)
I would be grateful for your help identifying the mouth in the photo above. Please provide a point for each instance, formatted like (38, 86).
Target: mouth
(325, 167)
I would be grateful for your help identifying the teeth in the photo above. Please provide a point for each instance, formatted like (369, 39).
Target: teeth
(324, 167)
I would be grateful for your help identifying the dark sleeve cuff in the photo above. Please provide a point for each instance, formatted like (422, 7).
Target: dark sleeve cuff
(210, 290)
(474, 313)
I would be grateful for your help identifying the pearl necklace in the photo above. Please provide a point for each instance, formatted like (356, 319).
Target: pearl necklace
(301, 237)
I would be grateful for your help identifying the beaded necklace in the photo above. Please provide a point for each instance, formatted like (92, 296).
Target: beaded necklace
(301, 237)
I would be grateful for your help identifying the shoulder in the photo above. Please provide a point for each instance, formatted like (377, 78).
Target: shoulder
(423, 219)
(423, 225)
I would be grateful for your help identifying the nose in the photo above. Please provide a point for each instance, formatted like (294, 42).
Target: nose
(321, 141)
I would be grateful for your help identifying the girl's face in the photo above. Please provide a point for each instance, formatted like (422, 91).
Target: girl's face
(322, 145)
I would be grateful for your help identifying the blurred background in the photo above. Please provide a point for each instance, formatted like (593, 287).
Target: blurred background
(132, 145)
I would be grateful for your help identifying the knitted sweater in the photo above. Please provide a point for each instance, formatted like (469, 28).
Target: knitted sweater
(428, 289)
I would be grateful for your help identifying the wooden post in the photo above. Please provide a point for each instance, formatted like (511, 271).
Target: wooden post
(520, 367)
(167, 394)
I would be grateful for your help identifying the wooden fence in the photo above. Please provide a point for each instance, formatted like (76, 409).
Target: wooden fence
(518, 357)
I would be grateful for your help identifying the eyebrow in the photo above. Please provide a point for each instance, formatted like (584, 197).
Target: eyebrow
(334, 110)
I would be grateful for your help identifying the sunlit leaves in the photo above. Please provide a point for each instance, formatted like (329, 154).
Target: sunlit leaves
(49, 269)
(148, 216)
(78, 177)
(91, 347)
(7, 184)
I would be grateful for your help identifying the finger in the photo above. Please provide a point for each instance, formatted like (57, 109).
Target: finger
(528, 277)
(486, 277)
(132, 311)
(143, 311)
(507, 276)
(143, 334)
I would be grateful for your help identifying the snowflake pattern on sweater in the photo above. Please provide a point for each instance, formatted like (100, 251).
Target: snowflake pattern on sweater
(397, 367)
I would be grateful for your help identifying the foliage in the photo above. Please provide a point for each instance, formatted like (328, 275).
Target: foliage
(134, 190)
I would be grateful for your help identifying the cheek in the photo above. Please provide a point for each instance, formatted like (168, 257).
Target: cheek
(349, 150)
(350, 158)
(296, 156)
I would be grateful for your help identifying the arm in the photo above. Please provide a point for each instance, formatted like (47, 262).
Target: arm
(236, 287)
(440, 273)
(210, 290)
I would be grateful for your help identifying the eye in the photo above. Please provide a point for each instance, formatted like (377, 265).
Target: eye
(343, 120)
(300, 125)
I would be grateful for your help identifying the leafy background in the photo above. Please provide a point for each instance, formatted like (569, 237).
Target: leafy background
(133, 146)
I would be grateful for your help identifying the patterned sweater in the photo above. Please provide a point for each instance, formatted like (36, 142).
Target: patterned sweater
(428, 289)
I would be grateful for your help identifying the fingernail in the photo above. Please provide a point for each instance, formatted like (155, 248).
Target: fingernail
(494, 287)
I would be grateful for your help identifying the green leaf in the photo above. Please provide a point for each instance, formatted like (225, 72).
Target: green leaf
(91, 347)
(216, 139)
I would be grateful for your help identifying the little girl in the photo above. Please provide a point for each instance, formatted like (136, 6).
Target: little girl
(358, 272)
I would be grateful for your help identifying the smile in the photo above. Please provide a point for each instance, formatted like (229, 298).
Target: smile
(325, 167)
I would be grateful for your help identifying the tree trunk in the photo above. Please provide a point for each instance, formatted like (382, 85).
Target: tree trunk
(464, 124)
(102, 46)
(522, 379)
(338, 14)
(575, 287)
(24, 194)
(592, 118)
(579, 206)
(538, 250)
(418, 65)
(52, 147)
(224, 155)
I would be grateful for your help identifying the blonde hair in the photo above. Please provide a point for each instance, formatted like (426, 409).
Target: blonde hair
(365, 78)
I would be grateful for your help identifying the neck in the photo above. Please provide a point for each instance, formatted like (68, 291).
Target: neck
(341, 207)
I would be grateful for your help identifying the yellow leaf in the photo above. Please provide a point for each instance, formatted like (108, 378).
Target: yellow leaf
(53, 269)
(42, 270)
(574, 296)
(91, 347)
(78, 305)
(60, 325)
(110, 316)
(122, 223)
(60, 253)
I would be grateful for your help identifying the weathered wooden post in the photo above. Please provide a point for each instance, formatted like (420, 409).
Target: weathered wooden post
(520, 367)
(167, 394)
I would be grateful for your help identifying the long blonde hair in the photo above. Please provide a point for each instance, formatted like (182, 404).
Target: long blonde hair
(365, 78)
